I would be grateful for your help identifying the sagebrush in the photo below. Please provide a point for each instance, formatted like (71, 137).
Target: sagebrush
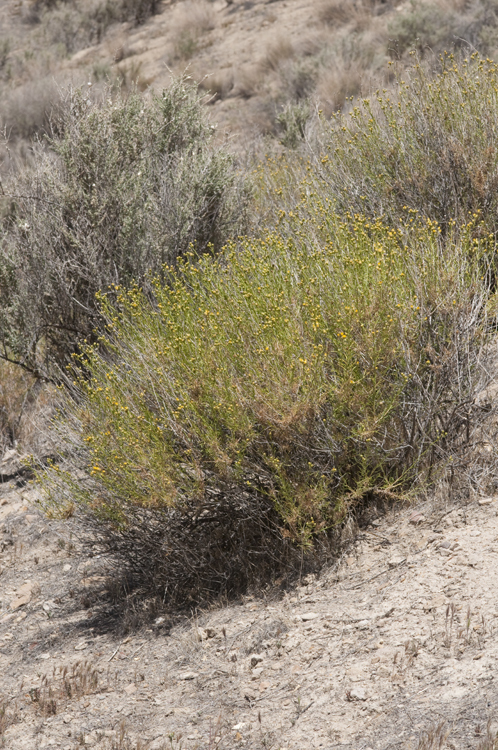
(127, 184)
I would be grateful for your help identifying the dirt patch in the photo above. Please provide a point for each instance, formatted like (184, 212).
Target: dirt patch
(397, 639)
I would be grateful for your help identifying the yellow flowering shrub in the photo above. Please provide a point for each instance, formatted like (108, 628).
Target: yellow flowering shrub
(277, 387)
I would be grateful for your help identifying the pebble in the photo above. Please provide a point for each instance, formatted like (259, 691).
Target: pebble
(309, 616)
(255, 659)
(188, 676)
(23, 596)
(357, 694)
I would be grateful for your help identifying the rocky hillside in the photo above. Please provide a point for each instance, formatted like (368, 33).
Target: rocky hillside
(262, 63)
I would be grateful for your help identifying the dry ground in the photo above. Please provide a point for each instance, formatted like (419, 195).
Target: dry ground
(400, 637)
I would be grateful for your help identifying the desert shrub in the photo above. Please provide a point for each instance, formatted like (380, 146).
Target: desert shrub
(439, 26)
(78, 23)
(126, 186)
(270, 392)
(430, 145)
(424, 25)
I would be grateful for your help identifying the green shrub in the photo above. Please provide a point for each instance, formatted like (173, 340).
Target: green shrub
(270, 392)
(126, 186)
(430, 145)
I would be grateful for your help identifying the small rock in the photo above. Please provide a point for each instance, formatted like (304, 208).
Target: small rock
(394, 562)
(485, 500)
(66, 568)
(249, 694)
(263, 686)
(23, 596)
(363, 625)
(130, 689)
(188, 676)
(44, 656)
(21, 601)
(437, 601)
(81, 646)
(255, 659)
(357, 694)
(205, 633)
(416, 518)
(238, 727)
(309, 616)
(257, 672)
(12, 465)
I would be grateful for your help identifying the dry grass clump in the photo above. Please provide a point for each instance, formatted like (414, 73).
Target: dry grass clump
(218, 85)
(339, 83)
(435, 737)
(358, 13)
(192, 19)
(65, 684)
(28, 109)
(490, 740)
(280, 50)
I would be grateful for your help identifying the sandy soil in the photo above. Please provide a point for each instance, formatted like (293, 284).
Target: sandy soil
(400, 636)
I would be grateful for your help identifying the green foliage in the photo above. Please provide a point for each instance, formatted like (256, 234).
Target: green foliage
(430, 145)
(127, 185)
(308, 372)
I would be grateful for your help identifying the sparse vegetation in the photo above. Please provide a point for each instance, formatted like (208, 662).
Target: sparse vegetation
(63, 685)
